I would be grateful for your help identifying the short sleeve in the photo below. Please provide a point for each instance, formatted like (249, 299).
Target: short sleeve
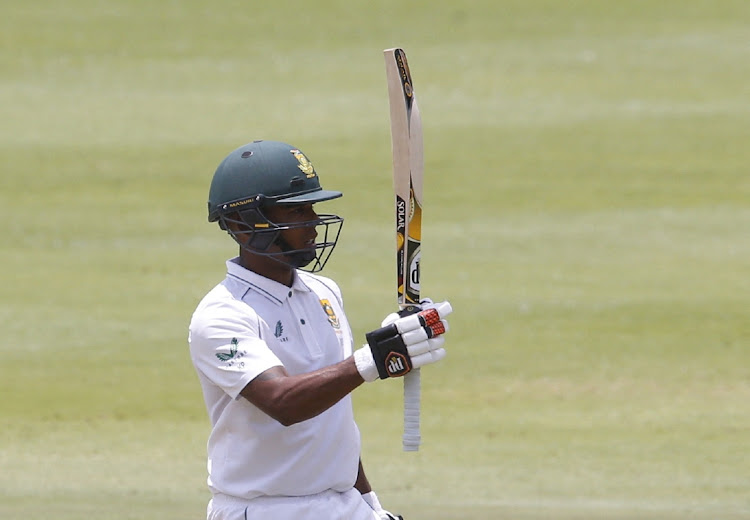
(226, 347)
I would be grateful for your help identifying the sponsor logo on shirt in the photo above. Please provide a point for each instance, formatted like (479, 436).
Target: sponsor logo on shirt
(232, 351)
(232, 357)
(279, 331)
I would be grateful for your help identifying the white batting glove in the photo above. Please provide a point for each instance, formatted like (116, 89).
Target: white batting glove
(404, 343)
(424, 304)
(372, 500)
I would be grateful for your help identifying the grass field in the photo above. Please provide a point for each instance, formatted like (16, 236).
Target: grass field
(588, 215)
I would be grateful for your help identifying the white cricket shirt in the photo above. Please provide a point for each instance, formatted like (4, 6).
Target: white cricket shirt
(244, 326)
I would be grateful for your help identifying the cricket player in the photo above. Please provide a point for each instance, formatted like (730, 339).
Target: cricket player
(274, 352)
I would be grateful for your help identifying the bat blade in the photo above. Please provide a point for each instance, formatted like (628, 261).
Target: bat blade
(408, 170)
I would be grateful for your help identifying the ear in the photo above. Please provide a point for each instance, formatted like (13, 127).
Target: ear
(232, 223)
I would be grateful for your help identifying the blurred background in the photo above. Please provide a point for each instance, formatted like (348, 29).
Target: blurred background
(587, 212)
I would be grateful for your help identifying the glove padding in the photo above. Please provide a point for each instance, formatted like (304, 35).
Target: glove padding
(372, 500)
(404, 343)
(424, 304)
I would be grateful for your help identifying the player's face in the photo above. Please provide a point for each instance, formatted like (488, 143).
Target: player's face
(302, 237)
(291, 241)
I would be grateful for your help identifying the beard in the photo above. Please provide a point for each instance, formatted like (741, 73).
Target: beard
(296, 257)
(299, 259)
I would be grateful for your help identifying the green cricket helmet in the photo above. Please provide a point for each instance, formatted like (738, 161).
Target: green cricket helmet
(262, 174)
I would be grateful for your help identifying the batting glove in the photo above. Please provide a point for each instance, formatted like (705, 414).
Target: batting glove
(404, 343)
(424, 304)
(372, 500)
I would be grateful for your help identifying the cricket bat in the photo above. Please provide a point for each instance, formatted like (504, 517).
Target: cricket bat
(408, 170)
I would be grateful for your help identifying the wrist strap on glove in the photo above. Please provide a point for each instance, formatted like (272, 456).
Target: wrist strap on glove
(389, 352)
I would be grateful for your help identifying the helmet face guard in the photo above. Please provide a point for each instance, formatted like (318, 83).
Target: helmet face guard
(257, 235)
(264, 174)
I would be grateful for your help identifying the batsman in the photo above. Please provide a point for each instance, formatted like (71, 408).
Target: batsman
(274, 352)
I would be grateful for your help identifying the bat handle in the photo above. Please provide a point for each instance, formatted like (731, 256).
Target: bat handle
(412, 408)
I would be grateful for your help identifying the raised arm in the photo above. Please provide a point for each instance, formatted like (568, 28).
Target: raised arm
(293, 399)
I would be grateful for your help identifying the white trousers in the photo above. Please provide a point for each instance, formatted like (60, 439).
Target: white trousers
(328, 505)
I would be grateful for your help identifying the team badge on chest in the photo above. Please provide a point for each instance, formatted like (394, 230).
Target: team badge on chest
(332, 318)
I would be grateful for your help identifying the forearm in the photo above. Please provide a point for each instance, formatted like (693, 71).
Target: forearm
(293, 399)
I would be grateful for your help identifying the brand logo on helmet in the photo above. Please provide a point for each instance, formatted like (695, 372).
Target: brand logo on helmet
(304, 165)
(239, 203)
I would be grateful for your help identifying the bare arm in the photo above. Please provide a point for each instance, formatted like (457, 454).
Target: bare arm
(362, 484)
(293, 399)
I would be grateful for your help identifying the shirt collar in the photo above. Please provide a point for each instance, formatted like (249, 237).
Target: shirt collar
(276, 292)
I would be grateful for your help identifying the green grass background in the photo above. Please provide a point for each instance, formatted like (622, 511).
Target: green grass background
(587, 214)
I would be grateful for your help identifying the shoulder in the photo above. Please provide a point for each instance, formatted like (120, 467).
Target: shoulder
(221, 309)
(320, 284)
